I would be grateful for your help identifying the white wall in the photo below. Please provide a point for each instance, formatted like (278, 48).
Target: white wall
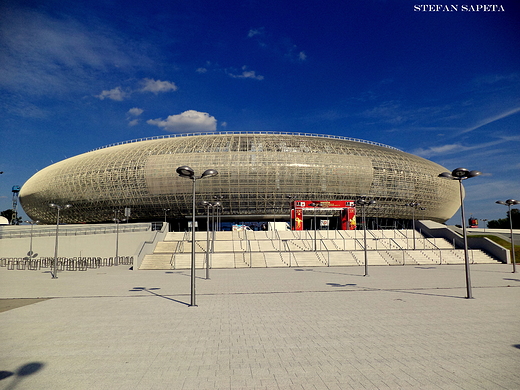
(95, 245)
(76, 241)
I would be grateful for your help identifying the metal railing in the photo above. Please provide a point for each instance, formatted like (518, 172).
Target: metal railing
(64, 263)
(67, 230)
(167, 136)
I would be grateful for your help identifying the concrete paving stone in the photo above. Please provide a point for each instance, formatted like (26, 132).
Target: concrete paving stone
(397, 327)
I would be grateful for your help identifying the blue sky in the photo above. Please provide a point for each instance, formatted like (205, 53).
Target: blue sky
(443, 85)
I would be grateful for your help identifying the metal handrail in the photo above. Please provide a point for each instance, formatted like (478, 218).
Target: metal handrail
(44, 231)
(167, 136)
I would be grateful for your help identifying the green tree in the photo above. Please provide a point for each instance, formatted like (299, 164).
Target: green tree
(503, 223)
(9, 215)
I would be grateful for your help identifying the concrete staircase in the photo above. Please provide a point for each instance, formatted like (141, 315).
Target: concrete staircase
(246, 249)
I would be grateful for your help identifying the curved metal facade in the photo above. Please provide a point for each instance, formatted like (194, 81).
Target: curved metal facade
(257, 173)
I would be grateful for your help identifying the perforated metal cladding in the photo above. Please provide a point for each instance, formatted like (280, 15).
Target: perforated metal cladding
(256, 174)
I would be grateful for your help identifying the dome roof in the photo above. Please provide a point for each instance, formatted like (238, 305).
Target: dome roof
(258, 171)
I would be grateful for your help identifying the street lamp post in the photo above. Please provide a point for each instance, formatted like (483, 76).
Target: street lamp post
(509, 203)
(31, 241)
(218, 205)
(117, 221)
(364, 202)
(463, 174)
(189, 173)
(208, 205)
(413, 205)
(290, 197)
(485, 222)
(165, 212)
(217, 208)
(314, 205)
(55, 265)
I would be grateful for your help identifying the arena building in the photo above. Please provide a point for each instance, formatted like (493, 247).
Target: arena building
(259, 173)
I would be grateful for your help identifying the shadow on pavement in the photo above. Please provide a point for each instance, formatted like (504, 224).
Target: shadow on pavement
(150, 290)
(20, 373)
(416, 291)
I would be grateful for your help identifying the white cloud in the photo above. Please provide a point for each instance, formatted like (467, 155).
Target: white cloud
(115, 94)
(458, 148)
(186, 122)
(255, 31)
(436, 150)
(201, 70)
(149, 85)
(133, 122)
(46, 55)
(135, 111)
(247, 74)
(156, 86)
(302, 56)
(492, 119)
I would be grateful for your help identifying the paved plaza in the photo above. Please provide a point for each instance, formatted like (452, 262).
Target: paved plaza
(402, 327)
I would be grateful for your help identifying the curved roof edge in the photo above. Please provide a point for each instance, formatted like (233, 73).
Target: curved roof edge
(247, 132)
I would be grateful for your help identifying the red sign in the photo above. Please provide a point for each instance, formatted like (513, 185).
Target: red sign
(347, 207)
(298, 220)
(329, 204)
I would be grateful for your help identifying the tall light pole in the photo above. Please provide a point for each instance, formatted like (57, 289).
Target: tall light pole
(290, 197)
(463, 174)
(207, 205)
(364, 202)
(315, 204)
(509, 203)
(117, 221)
(31, 242)
(165, 212)
(55, 265)
(189, 173)
(485, 222)
(219, 208)
(413, 205)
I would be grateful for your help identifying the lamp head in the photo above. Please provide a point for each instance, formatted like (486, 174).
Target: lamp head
(509, 202)
(209, 173)
(446, 175)
(57, 206)
(185, 171)
(460, 173)
(473, 174)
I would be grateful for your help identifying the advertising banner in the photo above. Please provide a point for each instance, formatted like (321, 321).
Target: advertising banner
(330, 204)
(347, 215)
(298, 220)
